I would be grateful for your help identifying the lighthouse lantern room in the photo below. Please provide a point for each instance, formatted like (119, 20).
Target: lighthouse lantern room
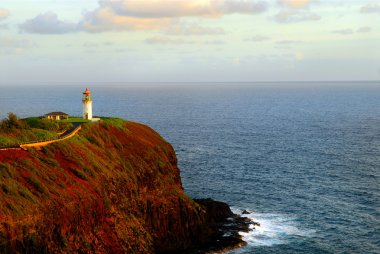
(87, 105)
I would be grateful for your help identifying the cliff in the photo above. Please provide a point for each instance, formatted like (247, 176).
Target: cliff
(114, 188)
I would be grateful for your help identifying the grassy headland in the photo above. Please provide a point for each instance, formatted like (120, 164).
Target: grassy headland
(14, 130)
(114, 188)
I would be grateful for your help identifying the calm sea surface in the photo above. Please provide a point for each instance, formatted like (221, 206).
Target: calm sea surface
(305, 158)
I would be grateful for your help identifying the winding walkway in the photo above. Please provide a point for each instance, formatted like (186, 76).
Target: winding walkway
(40, 143)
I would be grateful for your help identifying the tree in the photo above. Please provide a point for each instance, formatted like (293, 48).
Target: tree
(12, 122)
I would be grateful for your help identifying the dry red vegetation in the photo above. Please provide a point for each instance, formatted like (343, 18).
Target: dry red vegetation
(13, 155)
(111, 189)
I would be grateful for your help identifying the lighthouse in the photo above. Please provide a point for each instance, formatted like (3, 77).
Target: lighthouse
(87, 105)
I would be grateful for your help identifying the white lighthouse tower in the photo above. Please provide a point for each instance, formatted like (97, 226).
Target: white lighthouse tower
(87, 105)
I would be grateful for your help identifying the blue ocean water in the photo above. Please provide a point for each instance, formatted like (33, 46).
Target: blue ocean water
(304, 157)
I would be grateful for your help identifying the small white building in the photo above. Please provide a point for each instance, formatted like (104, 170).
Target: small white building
(57, 116)
(87, 105)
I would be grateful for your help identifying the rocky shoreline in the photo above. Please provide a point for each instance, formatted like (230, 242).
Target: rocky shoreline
(226, 225)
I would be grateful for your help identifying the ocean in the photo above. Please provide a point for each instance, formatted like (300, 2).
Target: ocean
(303, 157)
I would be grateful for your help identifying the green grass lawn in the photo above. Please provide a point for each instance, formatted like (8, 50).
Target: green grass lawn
(14, 131)
(16, 137)
(75, 120)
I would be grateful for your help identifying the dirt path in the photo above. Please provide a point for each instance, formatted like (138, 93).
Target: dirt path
(41, 143)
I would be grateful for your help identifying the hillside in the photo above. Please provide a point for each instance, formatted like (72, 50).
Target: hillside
(14, 131)
(114, 188)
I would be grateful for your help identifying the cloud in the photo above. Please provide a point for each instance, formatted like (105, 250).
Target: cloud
(343, 31)
(258, 38)
(294, 16)
(47, 23)
(243, 7)
(295, 3)
(364, 29)
(182, 8)
(105, 19)
(156, 14)
(90, 45)
(370, 8)
(8, 42)
(299, 56)
(166, 40)
(287, 42)
(4, 14)
(118, 15)
(214, 42)
(194, 29)
(9, 45)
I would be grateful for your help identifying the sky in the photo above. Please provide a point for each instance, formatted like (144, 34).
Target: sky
(47, 41)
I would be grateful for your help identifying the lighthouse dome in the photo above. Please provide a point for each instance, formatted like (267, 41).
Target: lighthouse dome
(87, 91)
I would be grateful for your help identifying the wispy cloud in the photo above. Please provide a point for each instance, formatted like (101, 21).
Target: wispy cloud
(9, 45)
(8, 42)
(214, 42)
(294, 16)
(287, 42)
(364, 29)
(4, 14)
(193, 29)
(90, 45)
(343, 31)
(241, 6)
(4, 26)
(166, 40)
(48, 23)
(370, 8)
(295, 3)
(258, 38)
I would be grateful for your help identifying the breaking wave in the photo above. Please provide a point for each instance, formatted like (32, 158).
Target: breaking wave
(274, 229)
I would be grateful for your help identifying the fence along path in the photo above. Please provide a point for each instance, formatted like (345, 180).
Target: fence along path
(40, 143)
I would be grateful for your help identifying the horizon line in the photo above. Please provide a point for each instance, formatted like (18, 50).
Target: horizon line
(179, 82)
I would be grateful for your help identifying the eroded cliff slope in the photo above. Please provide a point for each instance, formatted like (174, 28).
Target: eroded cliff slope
(114, 188)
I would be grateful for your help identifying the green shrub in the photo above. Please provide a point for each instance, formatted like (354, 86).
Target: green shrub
(50, 161)
(161, 164)
(37, 184)
(5, 188)
(107, 203)
(12, 122)
(25, 193)
(53, 177)
(33, 122)
(117, 122)
(79, 173)
(48, 124)
(7, 171)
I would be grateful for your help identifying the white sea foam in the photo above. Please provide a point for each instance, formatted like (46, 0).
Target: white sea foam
(274, 229)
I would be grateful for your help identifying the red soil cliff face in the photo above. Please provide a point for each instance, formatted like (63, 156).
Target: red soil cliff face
(114, 188)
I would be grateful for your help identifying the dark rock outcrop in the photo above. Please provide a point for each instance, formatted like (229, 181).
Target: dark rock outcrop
(226, 225)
